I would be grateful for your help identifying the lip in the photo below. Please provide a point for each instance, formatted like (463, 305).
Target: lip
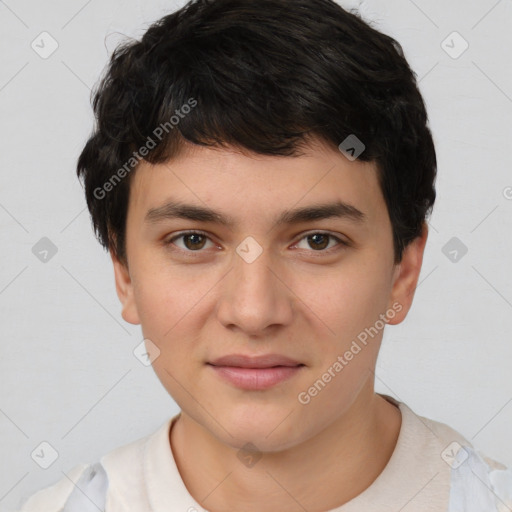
(263, 361)
(255, 372)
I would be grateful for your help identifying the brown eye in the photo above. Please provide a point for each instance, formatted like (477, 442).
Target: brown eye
(318, 241)
(192, 241)
(321, 242)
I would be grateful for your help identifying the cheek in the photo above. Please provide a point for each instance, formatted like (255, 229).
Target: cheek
(345, 300)
(172, 307)
(165, 295)
(154, 305)
(350, 305)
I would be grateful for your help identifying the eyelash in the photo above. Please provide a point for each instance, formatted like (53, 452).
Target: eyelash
(169, 242)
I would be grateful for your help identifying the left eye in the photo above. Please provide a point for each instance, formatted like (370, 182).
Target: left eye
(194, 241)
(320, 241)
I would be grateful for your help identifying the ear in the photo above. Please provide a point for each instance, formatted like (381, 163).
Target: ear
(124, 289)
(405, 277)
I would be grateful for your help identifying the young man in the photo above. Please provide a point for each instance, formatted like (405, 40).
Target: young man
(261, 173)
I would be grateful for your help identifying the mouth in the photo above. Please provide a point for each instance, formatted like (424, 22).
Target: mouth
(255, 372)
(263, 361)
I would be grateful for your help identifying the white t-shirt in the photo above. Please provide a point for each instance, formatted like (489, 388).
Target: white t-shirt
(432, 469)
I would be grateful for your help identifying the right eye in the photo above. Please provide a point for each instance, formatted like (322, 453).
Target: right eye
(193, 241)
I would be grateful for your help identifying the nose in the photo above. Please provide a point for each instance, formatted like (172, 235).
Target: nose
(254, 297)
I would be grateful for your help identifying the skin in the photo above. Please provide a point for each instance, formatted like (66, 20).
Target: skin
(299, 298)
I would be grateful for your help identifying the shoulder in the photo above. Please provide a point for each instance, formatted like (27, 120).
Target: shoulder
(119, 471)
(476, 481)
(53, 498)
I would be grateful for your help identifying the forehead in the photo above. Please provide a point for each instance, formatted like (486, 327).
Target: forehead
(257, 188)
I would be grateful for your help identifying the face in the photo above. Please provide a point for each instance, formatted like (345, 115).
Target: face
(237, 254)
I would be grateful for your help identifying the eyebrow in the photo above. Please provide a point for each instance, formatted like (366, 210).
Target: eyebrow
(179, 210)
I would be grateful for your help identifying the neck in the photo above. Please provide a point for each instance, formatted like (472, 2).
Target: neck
(321, 473)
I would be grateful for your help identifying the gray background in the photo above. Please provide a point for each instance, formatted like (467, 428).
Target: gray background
(67, 371)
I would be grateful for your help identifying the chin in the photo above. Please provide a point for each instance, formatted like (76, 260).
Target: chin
(269, 427)
(259, 441)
